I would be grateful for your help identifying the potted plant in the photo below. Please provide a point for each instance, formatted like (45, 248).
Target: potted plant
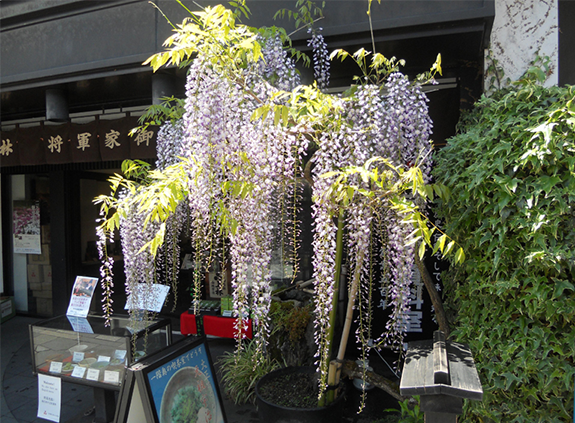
(229, 159)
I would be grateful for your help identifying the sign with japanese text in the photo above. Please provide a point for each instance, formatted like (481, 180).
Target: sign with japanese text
(147, 297)
(26, 231)
(114, 141)
(84, 143)
(99, 140)
(143, 142)
(57, 145)
(177, 384)
(49, 397)
(9, 152)
(81, 298)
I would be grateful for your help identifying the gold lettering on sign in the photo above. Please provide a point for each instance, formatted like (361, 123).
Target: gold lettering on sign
(55, 143)
(83, 140)
(111, 139)
(6, 147)
(144, 136)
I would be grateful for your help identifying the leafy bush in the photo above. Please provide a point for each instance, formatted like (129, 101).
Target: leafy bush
(287, 317)
(511, 172)
(290, 327)
(242, 370)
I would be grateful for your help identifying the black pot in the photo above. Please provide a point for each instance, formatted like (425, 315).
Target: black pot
(273, 413)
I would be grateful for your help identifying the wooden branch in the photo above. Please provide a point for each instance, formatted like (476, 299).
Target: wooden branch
(353, 371)
(434, 295)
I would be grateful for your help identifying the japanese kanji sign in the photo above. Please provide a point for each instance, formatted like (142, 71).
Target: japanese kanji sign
(143, 143)
(99, 140)
(9, 152)
(57, 145)
(114, 141)
(84, 140)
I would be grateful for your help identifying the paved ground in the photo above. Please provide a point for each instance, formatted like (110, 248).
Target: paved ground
(19, 400)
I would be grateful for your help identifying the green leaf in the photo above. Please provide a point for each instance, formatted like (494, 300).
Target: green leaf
(561, 286)
(460, 256)
(422, 246)
(285, 115)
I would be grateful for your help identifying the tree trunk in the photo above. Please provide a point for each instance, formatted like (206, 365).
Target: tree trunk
(353, 371)
(434, 295)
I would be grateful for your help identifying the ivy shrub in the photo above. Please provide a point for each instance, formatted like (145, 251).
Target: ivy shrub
(511, 172)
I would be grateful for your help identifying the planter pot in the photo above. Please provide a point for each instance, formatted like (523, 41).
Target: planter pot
(273, 413)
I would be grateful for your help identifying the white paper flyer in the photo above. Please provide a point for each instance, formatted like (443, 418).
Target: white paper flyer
(49, 397)
(147, 297)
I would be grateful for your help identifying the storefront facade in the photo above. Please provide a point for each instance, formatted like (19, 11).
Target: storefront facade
(73, 85)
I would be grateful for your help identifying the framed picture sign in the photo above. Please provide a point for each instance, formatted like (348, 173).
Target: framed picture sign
(175, 385)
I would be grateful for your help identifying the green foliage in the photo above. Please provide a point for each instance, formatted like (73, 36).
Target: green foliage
(156, 193)
(171, 109)
(396, 185)
(511, 172)
(242, 370)
(214, 32)
(306, 13)
(410, 410)
(291, 319)
(375, 68)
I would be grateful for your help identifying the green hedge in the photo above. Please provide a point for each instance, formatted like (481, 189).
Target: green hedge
(511, 172)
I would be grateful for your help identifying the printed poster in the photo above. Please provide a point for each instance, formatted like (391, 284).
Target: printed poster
(183, 389)
(81, 298)
(27, 236)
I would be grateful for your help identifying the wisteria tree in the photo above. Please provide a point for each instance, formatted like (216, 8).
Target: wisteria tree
(229, 158)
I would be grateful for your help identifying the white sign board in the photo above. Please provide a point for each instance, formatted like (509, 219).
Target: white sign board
(148, 297)
(49, 397)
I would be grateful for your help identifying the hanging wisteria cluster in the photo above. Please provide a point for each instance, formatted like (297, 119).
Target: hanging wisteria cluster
(395, 126)
(139, 266)
(246, 126)
(321, 62)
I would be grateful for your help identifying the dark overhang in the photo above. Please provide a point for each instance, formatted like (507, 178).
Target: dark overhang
(93, 50)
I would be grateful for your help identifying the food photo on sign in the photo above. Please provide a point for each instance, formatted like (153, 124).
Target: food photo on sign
(175, 385)
(183, 389)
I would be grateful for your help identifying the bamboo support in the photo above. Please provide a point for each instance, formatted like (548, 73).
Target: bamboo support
(348, 319)
(329, 396)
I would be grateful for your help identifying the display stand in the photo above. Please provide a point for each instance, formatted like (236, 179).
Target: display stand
(98, 355)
